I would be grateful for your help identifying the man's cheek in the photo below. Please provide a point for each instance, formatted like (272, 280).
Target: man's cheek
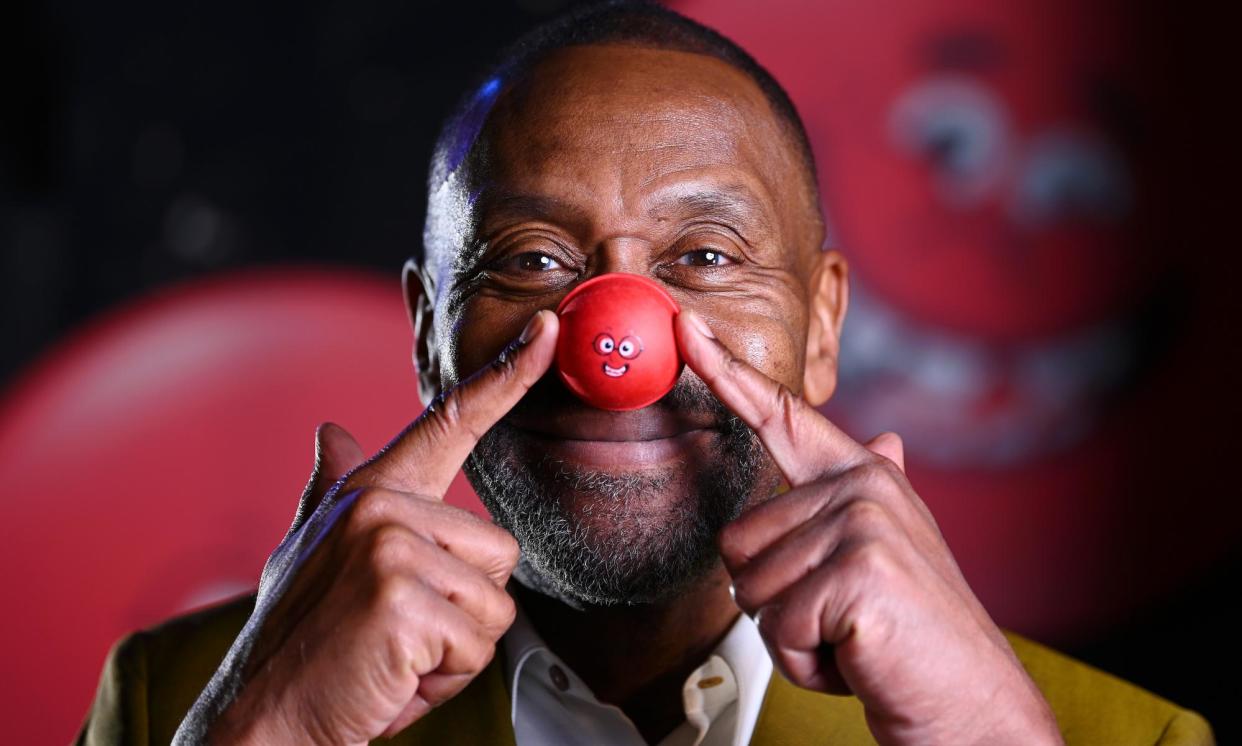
(770, 349)
(762, 324)
(475, 335)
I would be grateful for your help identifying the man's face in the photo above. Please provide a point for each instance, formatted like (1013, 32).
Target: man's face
(663, 164)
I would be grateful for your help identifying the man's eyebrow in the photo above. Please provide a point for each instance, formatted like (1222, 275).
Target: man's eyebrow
(514, 204)
(733, 205)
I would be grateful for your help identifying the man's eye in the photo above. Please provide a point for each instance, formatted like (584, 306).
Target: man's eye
(704, 258)
(533, 261)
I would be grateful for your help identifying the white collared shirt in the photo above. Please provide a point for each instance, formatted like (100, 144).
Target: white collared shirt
(551, 705)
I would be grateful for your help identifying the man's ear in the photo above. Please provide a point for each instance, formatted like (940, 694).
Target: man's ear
(420, 304)
(829, 295)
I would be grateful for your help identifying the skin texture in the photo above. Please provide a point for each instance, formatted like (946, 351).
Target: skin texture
(851, 581)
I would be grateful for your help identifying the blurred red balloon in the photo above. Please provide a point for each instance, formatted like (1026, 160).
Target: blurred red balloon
(153, 460)
(995, 174)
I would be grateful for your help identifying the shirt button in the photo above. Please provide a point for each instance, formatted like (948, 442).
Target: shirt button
(558, 677)
(710, 682)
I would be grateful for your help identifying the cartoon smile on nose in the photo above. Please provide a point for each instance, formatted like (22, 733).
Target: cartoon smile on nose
(627, 349)
(616, 349)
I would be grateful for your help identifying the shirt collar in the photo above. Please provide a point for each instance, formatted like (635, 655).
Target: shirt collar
(742, 649)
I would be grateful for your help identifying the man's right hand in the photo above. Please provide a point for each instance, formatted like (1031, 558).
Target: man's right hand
(383, 601)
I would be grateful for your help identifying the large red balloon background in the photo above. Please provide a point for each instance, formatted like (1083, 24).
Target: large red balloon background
(1018, 315)
(1021, 313)
(153, 461)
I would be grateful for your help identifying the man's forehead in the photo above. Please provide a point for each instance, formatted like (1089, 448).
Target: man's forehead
(616, 98)
(632, 113)
(619, 76)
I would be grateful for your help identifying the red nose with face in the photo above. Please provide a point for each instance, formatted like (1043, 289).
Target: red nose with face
(616, 348)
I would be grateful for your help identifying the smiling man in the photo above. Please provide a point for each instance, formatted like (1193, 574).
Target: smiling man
(647, 579)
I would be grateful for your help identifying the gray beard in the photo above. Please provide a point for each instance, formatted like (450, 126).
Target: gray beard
(592, 538)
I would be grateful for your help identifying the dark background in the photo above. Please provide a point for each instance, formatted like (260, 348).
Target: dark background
(147, 143)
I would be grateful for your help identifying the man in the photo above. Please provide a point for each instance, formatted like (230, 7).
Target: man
(660, 555)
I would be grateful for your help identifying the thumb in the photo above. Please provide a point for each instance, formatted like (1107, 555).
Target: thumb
(889, 446)
(336, 454)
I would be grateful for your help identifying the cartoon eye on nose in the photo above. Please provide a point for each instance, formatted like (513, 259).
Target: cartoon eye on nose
(605, 344)
(630, 347)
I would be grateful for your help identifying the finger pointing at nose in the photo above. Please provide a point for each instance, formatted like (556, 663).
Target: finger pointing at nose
(425, 457)
(804, 444)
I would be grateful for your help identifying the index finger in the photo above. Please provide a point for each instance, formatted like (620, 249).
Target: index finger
(425, 457)
(804, 444)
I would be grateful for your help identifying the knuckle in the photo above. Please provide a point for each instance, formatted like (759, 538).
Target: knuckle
(393, 597)
(871, 563)
(501, 542)
(497, 611)
(398, 659)
(472, 651)
(875, 628)
(866, 517)
(391, 549)
(372, 506)
(876, 473)
(508, 549)
(888, 470)
(481, 655)
(506, 612)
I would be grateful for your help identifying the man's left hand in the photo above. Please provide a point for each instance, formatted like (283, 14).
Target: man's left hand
(853, 586)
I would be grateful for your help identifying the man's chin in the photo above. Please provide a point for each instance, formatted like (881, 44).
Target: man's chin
(594, 538)
(611, 523)
(584, 593)
(620, 534)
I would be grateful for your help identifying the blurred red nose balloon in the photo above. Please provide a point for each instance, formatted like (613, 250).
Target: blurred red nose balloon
(616, 348)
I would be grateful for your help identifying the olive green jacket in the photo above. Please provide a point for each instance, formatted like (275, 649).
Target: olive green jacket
(151, 678)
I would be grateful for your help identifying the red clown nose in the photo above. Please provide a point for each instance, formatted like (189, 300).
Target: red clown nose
(616, 348)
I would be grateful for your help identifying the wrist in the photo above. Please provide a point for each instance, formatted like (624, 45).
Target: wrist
(254, 718)
(1028, 722)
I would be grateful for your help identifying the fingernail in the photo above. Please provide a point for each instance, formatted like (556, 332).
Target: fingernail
(699, 324)
(533, 327)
